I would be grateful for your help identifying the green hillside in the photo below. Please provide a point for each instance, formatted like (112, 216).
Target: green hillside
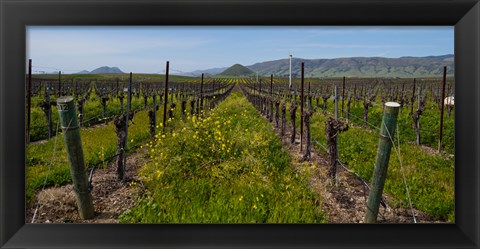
(237, 70)
(430, 66)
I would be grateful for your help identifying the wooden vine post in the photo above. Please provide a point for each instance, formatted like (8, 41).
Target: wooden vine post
(260, 101)
(254, 95)
(29, 101)
(184, 108)
(166, 97)
(155, 108)
(325, 96)
(349, 102)
(387, 131)
(302, 102)
(270, 116)
(293, 110)
(440, 131)
(121, 125)
(201, 94)
(284, 120)
(412, 99)
(192, 106)
(309, 97)
(152, 114)
(343, 96)
(277, 107)
(59, 83)
(73, 144)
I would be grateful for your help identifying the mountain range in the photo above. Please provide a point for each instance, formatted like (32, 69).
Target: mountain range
(103, 70)
(406, 66)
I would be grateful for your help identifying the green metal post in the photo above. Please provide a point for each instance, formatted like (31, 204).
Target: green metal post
(71, 135)
(389, 122)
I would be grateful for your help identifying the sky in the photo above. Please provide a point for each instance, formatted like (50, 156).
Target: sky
(71, 49)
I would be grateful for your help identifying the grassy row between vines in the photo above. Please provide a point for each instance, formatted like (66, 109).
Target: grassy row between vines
(228, 167)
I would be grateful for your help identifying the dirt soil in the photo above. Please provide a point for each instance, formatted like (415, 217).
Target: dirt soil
(111, 197)
(344, 202)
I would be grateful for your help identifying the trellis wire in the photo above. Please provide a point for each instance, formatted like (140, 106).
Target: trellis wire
(48, 171)
(397, 150)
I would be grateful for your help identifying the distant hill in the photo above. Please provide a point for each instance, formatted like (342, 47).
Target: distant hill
(237, 70)
(360, 67)
(106, 70)
(211, 71)
(84, 72)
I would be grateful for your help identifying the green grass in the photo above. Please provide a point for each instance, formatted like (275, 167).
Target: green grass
(228, 167)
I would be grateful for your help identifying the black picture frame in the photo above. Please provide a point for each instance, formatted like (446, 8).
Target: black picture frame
(16, 15)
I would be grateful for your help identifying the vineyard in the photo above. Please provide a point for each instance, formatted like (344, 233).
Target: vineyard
(175, 149)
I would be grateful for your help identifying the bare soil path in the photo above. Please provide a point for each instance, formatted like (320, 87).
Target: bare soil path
(111, 197)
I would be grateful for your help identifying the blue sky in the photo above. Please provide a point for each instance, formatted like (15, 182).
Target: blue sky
(146, 49)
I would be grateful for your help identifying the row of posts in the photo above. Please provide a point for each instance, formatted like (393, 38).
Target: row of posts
(334, 126)
(46, 106)
(387, 131)
(71, 134)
